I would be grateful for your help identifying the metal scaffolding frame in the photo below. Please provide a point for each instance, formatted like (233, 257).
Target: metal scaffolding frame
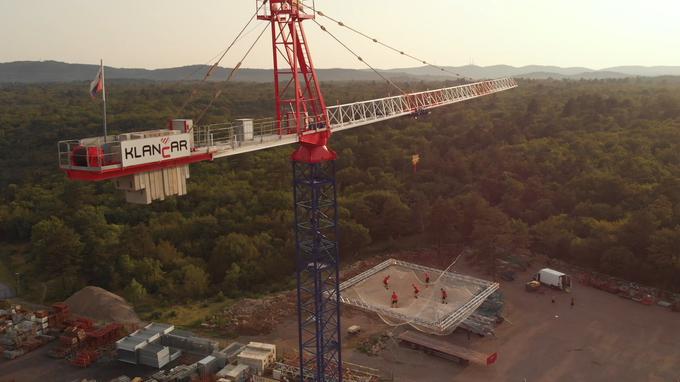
(443, 325)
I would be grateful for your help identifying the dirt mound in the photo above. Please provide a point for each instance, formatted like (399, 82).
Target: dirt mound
(102, 305)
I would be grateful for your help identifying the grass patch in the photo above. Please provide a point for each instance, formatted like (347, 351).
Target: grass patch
(189, 315)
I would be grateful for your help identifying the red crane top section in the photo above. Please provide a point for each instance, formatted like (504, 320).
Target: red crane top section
(300, 106)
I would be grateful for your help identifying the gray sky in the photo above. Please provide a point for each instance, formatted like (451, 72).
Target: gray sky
(167, 33)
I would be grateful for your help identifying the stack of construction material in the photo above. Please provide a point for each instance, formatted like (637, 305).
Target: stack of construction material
(230, 353)
(208, 366)
(154, 355)
(85, 358)
(492, 306)
(234, 373)
(41, 319)
(69, 341)
(12, 354)
(144, 346)
(258, 356)
(61, 311)
(188, 342)
(27, 328)
(479, 324)
(178, 373)
(122, 378)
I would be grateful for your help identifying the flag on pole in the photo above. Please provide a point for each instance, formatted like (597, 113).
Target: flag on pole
(97, 85)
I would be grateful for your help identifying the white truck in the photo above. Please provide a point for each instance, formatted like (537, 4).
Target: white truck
(554, 279)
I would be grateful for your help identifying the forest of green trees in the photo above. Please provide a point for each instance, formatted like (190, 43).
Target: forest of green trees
(584, 171)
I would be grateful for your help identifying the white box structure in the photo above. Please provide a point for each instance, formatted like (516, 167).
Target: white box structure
(426, 313)
(143, 346)
(258, 356)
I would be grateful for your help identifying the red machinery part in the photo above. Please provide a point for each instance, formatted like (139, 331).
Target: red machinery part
(297, 92)
(91, 156)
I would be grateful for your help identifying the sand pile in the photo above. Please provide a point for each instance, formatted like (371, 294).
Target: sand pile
(102, 305)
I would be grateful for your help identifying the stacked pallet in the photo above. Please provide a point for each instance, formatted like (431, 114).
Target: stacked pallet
(479, 324)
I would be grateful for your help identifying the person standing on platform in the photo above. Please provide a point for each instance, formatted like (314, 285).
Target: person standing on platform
(386, 282)
(395, 299)
(415, 290)
(444, 296)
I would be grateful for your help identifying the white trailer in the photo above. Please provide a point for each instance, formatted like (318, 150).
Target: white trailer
(553, 278)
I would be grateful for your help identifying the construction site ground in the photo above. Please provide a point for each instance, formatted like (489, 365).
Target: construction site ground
(602, 338)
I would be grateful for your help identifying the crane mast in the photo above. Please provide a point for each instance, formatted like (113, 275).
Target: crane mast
(151, 165)
(301, 109)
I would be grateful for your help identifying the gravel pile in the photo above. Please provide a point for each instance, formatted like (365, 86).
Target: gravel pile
(101, 305)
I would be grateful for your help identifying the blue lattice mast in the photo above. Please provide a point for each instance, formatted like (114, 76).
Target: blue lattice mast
(317, 269)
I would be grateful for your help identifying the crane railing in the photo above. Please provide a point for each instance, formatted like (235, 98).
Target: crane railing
(221, 139)
(355, 114)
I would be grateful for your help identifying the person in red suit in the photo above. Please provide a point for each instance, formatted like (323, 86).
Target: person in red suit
(386, 282)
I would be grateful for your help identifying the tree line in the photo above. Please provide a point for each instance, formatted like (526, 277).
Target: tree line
(583, 171)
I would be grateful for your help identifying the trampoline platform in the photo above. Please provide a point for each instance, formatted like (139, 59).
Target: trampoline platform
(427, 312)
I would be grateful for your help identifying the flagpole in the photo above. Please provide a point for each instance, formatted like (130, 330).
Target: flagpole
(101, 63)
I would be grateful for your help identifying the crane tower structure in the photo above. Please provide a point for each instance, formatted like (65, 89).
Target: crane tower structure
(153, 164)
(301, 109)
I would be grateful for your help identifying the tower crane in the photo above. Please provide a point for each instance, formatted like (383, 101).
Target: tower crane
(151, 165)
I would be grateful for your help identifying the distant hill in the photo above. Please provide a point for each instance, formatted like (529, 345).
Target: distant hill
(593, 75)
(541, 72)
(53, 71)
